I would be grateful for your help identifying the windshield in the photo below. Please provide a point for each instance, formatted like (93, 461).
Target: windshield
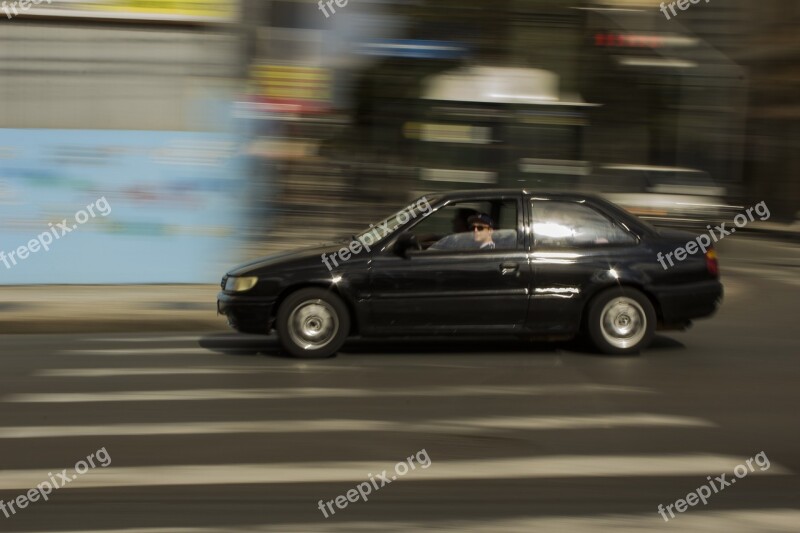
(414, 211)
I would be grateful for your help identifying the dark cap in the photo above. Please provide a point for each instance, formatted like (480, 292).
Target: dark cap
(481, 218)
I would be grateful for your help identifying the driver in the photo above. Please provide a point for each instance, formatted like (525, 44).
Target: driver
(482, 227)
(461, 238)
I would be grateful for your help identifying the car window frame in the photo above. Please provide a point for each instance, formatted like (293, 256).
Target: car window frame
(521, 245)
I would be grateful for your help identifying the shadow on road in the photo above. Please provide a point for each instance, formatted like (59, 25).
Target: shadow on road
(251, 345)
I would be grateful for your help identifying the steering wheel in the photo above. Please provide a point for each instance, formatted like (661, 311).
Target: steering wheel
(428, 240)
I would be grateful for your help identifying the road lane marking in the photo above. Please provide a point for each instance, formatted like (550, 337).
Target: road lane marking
(185, 338)
(479, 425)
(155, 371)
(112, 372)
(308, 392)
(788, 276)
(559, 466)
(584, 422)
(769, 520)
(153, 351)
(212, 337)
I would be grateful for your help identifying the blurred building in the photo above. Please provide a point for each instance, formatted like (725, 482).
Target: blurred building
(772, 55)
(117, 65)
(347, 112)
(671, 97)
(695, 93)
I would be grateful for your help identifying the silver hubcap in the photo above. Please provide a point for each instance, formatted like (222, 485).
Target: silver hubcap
(623, 322)
(313, 324)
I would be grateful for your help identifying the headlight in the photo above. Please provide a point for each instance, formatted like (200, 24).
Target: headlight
(240, 284)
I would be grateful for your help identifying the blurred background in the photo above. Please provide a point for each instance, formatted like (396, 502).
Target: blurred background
(223, 130)
(220, 130)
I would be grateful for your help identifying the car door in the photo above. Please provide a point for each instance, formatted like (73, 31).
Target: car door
(449, 290)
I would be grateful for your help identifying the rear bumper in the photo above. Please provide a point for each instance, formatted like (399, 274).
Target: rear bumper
(690, 301)
(246, 314)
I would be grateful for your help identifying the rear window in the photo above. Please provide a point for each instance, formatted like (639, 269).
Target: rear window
(561, 224)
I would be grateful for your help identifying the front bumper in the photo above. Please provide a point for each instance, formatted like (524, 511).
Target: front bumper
(687, 302)
(246, 313)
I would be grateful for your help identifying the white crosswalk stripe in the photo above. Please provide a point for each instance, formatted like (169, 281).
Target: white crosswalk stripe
(144, 351)
(762, 521)
(309, 392)
(114, 372)
(567, 466)
(479, 425)
(118, 372)
(177, 338)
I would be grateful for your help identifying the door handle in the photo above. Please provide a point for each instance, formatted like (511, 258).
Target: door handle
(509, 268)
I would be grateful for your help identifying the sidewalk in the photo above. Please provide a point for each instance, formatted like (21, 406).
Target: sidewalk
(124, 308)
(775, 230)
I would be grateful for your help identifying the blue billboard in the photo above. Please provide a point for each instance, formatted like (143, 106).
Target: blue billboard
(119, 206)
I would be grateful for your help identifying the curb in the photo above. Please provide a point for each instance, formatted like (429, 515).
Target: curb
(783, 235)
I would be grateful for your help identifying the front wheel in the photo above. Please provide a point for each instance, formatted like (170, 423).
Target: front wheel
(621, 321)
(312, 323)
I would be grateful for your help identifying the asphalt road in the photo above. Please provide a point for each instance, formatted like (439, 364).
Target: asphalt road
(218, 432)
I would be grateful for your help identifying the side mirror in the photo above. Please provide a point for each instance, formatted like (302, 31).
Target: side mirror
(405, 242)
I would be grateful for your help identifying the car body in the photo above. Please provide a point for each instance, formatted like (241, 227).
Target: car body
(563, 264)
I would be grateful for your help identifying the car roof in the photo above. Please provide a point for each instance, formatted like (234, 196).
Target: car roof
(481, 193)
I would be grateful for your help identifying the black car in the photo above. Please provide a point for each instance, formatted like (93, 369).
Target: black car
(481, 262)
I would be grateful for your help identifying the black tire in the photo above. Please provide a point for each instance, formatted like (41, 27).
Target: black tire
(312, 323)
(621, 321)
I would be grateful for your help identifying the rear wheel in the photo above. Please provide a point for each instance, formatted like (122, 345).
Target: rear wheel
(621, 321)
(312, 323)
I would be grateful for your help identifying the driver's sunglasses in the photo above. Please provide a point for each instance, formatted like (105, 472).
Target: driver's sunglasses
(479, 228)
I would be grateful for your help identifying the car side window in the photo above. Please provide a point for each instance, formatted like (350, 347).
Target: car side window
(563, 224)
(450, 229)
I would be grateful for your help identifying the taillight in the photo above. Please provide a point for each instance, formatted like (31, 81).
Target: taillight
(711, 263)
